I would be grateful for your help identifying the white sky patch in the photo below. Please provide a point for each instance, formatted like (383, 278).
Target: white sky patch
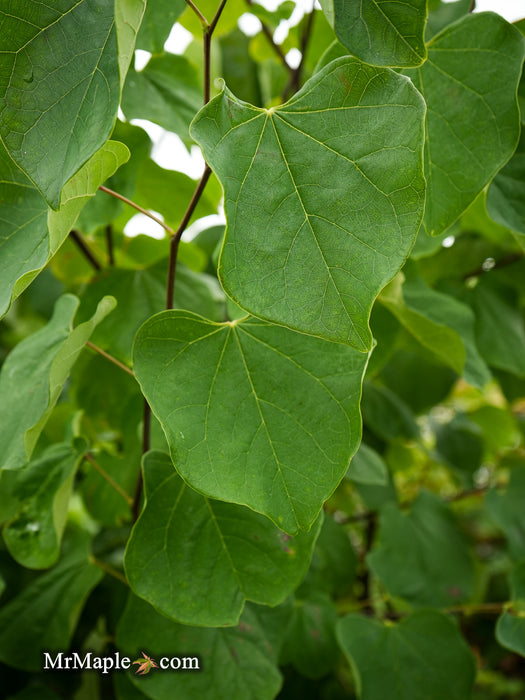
(178, 40)
(141, 59)
(448, 242)
(140, 223)
(249, 24)
(293, 58)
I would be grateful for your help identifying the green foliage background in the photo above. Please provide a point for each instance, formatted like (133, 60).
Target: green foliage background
(292, 446)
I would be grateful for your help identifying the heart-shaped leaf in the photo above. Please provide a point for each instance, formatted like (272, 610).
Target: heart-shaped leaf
(254, 413)
(323, 196)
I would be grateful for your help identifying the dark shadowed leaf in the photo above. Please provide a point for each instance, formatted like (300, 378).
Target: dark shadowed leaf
(234, 662)
(423, 556)
(422, 658)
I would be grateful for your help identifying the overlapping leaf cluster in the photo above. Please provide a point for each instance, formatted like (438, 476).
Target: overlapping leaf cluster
(332, 474)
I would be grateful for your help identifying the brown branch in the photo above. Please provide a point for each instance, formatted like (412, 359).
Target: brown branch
(109, 357)
(175, 239)
(199, 14)
(138, 208)
(294, 83)
(108, 478)
(85, 250)
(269, 35)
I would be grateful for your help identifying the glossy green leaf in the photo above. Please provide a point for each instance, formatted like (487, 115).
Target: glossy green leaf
(158, 20)
(506, 509)
(30, 233)
(207, 557)
(367, 467)
(58, 98)
(44, 614)
(330, 182)
(234, 662)
(423, 557)
(465, 149)
(34, 502)
(142, 293)
(505, 201)
(310, 644)
(380, 32)
(423, 657)
(510, 628)
(34, 374)
(253, 413)
(167, 91)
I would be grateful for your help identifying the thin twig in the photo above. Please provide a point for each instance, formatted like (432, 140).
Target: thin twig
(294, 83)
(138, 208)
(206, 37)
(498, 264)
(109, 245)
(109, 357)
(108, 478)
(85, 250)
(109, 570)
(197, 12)
(175, 239)
(146, 435)
(269, 35)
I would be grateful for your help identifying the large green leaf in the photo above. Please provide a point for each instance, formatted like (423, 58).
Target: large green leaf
(367, 467)
(323, 196)
(253, 413)
(34, 374)
(198, 560)
(422, 658)
(34, 502)
(510, 628)
(423, 557)
(30, 233)
(234, 662)
(469, 83)
(43, 616)
(380, 32)
(59, 87)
